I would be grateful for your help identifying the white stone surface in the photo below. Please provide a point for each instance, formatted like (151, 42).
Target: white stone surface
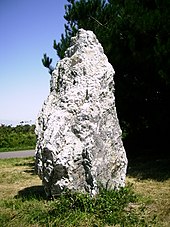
(79, 142)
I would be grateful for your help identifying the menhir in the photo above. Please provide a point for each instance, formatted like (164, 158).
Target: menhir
(79, 144)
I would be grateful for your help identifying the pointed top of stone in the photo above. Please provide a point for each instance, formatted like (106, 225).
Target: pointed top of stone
(83, 41)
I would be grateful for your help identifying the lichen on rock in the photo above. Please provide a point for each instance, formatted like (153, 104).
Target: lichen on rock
(79, 143)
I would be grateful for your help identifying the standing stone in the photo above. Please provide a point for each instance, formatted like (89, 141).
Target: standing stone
(79, 144)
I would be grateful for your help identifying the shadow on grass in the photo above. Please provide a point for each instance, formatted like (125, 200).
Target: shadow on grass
(34, 192)
(149, 165)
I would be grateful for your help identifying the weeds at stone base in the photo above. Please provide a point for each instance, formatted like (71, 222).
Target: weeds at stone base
(22, 203)
(76, 209)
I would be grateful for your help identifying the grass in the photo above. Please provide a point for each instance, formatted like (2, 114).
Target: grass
(21, 148)
(150, 176)
(145, 203)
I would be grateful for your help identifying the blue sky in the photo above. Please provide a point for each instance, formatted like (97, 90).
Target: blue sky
(27, 31)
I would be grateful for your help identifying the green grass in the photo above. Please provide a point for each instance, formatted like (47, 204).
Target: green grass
(23, 201)
(21, 148)
(74, 209)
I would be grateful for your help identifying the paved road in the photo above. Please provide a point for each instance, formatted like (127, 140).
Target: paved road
(17, 154)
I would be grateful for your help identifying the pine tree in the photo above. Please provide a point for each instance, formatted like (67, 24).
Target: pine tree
(135, 35)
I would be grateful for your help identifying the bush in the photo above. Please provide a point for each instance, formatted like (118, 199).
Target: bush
(20, 137)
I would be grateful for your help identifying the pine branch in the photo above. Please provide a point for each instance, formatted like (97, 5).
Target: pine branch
(99, 22)
(47, 63)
